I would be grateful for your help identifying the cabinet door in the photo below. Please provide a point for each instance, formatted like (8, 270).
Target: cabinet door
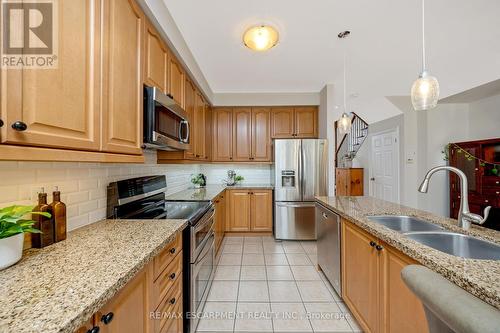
(306, 122)
(189, 107)
(208, 132)
(341, 181)
(239, 205)
(282, 126)
(176, 80)
(129, 308)
(199, 119)
(59, 106)
(261, 210)
(360, 276)
(156, 58)
(402, 310)
(123, 69)
(242, 134)
(261, 134)
(222, 144)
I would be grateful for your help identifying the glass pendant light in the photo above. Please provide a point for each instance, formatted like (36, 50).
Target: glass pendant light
(344, 123)
(425, 90)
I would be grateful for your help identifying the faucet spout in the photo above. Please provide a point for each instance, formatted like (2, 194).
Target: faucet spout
(465, 217)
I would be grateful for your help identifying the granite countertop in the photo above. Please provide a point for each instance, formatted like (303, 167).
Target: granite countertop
(58, 288)
(479, 277)
(210, 192)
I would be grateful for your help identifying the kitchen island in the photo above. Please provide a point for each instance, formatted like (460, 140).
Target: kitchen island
(479, 277)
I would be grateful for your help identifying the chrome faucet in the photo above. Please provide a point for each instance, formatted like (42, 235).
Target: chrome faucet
(465, 217)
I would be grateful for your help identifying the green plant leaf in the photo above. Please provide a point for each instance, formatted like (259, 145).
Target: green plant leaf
(32, 230)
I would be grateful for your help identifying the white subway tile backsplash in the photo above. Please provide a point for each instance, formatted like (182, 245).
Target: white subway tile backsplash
(253, 173)
(82, 185)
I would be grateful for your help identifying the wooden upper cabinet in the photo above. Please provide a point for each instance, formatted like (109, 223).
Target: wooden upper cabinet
(261, 210)
(222, 130)
(156, 58)
(123, 41)
(130, 308)
(59, 106)
(360, 276)
(306, 122)
(189, 107)
(239, 210)
(242, 134)
(282, 123)
(294, 122)
(199, 120)
(176, 80)
(261, 134)
(208, 132)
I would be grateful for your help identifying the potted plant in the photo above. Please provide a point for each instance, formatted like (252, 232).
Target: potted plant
(239, 179)
(199, 180)
(13, 225)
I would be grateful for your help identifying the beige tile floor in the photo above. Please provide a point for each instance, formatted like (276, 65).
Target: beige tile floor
(263, 285)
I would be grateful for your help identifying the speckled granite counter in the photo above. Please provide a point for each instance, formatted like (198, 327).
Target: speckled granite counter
(209, 192)
(479, 277)
(58, 288)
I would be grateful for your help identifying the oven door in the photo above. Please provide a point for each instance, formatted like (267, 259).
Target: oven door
(200, 232)
(203, 270)
(166, 124)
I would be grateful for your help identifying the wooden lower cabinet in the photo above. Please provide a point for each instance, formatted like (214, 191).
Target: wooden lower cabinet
(372, 286)
(349, 181)
(150, 303)
(250, 210)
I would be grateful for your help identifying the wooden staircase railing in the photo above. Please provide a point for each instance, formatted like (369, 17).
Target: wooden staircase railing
(348, 144)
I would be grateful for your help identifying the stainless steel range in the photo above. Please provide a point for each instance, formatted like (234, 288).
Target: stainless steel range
(144, 198)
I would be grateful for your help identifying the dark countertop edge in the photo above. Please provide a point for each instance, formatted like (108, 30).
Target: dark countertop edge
(75, 323)
(448, 273)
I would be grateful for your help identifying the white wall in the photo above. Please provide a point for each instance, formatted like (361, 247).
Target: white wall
(82, 185)
(484, 118)
(253, 173)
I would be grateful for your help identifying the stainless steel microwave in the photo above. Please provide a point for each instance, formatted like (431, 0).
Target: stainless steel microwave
(166, 124)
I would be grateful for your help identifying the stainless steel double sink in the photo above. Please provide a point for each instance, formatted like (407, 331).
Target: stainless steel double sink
(439, 238)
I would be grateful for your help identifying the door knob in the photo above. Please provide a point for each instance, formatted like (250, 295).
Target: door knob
(19, 126)
(372, 179)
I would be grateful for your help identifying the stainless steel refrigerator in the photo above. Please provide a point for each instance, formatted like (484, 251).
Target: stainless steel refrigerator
(300, 173)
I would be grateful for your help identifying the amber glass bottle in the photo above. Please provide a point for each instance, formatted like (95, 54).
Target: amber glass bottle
(42, 223)
(58, 215)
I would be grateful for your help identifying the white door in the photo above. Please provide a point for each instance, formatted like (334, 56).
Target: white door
(384, 166)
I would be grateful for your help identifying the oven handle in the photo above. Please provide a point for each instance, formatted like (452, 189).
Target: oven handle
(203, 223)
(206, 251)
(186, 139)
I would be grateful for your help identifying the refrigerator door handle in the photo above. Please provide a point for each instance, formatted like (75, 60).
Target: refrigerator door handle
(291, 205)
(301, 170)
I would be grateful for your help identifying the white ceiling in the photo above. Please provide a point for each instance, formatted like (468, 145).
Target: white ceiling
(463, 42)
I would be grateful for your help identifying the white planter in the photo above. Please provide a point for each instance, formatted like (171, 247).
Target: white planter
(11, 250)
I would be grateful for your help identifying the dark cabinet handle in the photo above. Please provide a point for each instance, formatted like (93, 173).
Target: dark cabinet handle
(171, 96)
(172, 301)
(1, 123)
(379, 247)
(172, 276)
(94, 329)
(107, 318)
(19, 126)
(372, 243)
(172, 250)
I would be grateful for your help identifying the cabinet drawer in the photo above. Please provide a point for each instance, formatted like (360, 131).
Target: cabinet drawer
(167, 279)
(174, 325)
(162, 260)
(169, 308)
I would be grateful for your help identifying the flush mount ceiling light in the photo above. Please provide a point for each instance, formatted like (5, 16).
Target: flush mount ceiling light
(260, 38)
(425, 90)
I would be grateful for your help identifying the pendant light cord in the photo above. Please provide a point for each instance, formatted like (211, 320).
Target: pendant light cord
(423, 36)
(345, 84)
